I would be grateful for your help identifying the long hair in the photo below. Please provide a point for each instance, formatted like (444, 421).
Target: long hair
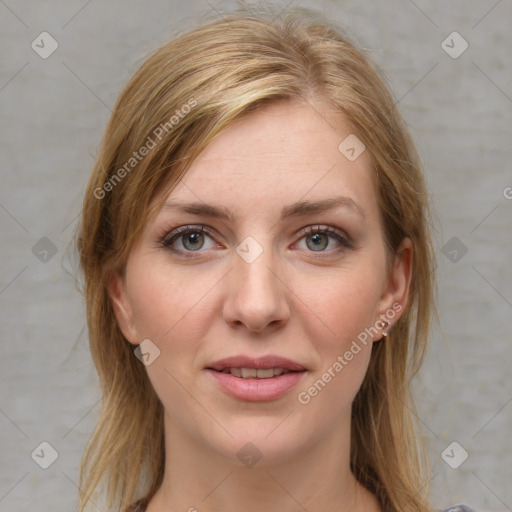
(182, 97)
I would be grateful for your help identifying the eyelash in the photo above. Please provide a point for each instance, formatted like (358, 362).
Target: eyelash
(168, 240)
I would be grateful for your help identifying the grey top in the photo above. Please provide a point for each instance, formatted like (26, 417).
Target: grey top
(141, 505)
(459, 508)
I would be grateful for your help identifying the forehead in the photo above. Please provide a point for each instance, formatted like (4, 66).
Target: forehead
(276, 155)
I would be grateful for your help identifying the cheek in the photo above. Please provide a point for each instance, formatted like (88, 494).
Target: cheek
(167, 304)
(341, 305)
(172, 308)
(337, 321)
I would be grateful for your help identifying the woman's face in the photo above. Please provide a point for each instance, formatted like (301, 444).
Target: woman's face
(264, 270)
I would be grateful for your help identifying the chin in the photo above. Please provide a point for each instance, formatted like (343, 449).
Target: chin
(260, 444)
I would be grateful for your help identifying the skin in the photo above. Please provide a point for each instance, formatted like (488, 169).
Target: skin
(294, 301)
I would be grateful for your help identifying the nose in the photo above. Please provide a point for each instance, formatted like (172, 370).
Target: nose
(257, 296)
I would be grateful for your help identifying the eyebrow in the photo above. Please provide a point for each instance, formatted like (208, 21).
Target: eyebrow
(298, 209)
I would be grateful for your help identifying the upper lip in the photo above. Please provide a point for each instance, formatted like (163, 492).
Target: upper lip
(265, 362)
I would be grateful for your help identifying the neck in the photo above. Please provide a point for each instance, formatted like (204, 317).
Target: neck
(316, 478)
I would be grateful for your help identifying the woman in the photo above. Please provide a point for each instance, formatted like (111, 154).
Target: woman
(258, 279)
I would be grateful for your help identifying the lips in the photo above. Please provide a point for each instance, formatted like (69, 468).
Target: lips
(261, 363)
(249, 378)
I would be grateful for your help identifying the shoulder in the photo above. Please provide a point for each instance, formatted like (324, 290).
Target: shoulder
(459, 508)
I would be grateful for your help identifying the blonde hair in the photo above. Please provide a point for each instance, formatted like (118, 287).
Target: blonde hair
(222, 69)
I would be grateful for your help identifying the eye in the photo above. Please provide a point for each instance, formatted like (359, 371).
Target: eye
(188, 238)
(319, 238)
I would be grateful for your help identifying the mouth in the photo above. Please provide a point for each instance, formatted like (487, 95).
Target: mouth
(256, 379)
(256, 373)
(256, 367)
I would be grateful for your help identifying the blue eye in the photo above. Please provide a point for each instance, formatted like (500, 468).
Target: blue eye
(190, 239)
(318, 238)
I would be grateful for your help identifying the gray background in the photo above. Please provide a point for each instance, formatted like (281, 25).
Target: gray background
(53, 113)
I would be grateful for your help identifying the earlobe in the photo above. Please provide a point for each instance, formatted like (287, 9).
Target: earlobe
(122, 308)
(396, 291)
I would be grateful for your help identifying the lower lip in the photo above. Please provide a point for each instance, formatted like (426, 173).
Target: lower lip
(254, 389)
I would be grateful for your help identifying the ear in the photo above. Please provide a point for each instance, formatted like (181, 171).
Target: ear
(122, 308)
(395, 293)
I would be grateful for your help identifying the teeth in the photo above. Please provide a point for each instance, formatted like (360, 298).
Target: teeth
(265, 374)
(253, 373)
(249, 373)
